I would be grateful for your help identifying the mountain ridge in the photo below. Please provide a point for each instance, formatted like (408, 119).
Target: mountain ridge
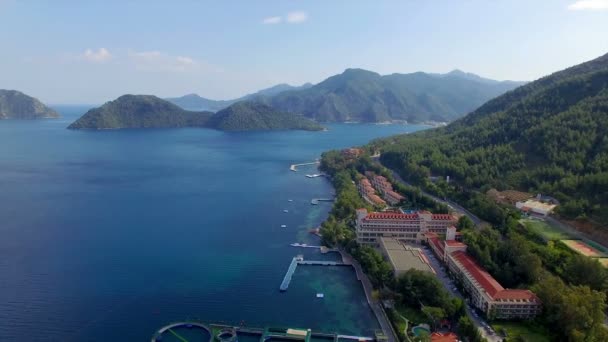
(548, 136)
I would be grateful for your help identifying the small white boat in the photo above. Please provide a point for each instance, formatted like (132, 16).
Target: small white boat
(285, 210)
(283, 226)
(289, 200)
(320, 295)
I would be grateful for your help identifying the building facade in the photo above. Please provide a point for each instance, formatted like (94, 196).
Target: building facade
(410, 227)
(487, 295)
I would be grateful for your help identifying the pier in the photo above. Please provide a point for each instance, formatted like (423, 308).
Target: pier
(294, 167)
(289, 274)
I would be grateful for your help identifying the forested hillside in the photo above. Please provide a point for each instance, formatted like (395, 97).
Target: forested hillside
(549, 136)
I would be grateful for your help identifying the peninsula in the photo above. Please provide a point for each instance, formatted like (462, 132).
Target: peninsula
(17, 105)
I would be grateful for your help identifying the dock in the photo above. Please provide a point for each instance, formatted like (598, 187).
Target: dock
(321, 263)
(294, 167)
(290, 272)
(299, 260)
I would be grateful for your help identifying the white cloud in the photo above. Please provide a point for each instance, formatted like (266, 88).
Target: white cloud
(296, 17)
(99, 56)
(589, 5)
(272, 20)
(156, 61)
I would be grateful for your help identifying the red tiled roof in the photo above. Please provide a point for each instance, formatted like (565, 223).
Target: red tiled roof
(443, 217)
(487, 282)
(394, 194)
(516, 295)
(437, 243)
(446, 337)
(391, 216)
(453, 243)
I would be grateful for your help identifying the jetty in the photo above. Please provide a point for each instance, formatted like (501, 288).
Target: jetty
(294, 167)
(316, 201)
(299, 260)
(290, 272)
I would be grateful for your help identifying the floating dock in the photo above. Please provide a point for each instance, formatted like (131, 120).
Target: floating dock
(289, 274)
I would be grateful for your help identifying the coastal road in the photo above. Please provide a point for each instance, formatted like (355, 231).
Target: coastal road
(453, 205)
(480, 324)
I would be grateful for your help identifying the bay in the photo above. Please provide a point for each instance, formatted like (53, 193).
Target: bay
(106, 236)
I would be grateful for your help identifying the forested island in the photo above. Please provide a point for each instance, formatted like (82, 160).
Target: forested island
(147, 111)
(17, 105)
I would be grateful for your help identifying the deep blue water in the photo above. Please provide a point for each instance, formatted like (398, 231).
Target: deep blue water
(106, 236)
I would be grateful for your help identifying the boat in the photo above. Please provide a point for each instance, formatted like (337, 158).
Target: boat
(320, 295)
(285, 210)
(289, 200)
(283, 226)
(314, 175)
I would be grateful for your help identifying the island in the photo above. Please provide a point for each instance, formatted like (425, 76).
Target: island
(17, 105)
(248, 115)
(148, 111)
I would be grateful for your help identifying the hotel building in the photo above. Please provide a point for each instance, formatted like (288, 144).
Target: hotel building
(410, 227)
(486, 294)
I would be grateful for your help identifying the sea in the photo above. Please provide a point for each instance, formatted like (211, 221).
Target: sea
(109, 235)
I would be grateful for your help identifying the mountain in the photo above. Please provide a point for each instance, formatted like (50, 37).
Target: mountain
(139, 111)
(250, 115)
(147, 111)
(196, 102)
(549, 136)
(361, 95)
(16, 105)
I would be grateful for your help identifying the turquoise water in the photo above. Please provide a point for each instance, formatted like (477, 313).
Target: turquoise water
(107, 236)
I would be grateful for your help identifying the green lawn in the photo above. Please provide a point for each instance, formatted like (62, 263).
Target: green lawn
(415, 316)
(527, 331)
(545, 230)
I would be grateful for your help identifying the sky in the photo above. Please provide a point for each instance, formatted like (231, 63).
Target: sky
(90, 52)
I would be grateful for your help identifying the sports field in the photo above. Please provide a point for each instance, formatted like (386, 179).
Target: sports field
(543, 229)
(584, 248)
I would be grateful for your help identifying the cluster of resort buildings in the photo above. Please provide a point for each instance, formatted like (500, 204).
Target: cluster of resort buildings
(398, 234)
(372, 184)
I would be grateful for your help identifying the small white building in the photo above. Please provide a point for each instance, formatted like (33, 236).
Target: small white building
(535, 206)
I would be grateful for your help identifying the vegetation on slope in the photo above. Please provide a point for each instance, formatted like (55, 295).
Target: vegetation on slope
(549, 136)
(17, 105)
(247, 115)
(139, 111)
(361, 95)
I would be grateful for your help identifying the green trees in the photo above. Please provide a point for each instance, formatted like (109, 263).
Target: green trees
(468, 329)
(576, 312)
(549, 136)
(420, 289)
